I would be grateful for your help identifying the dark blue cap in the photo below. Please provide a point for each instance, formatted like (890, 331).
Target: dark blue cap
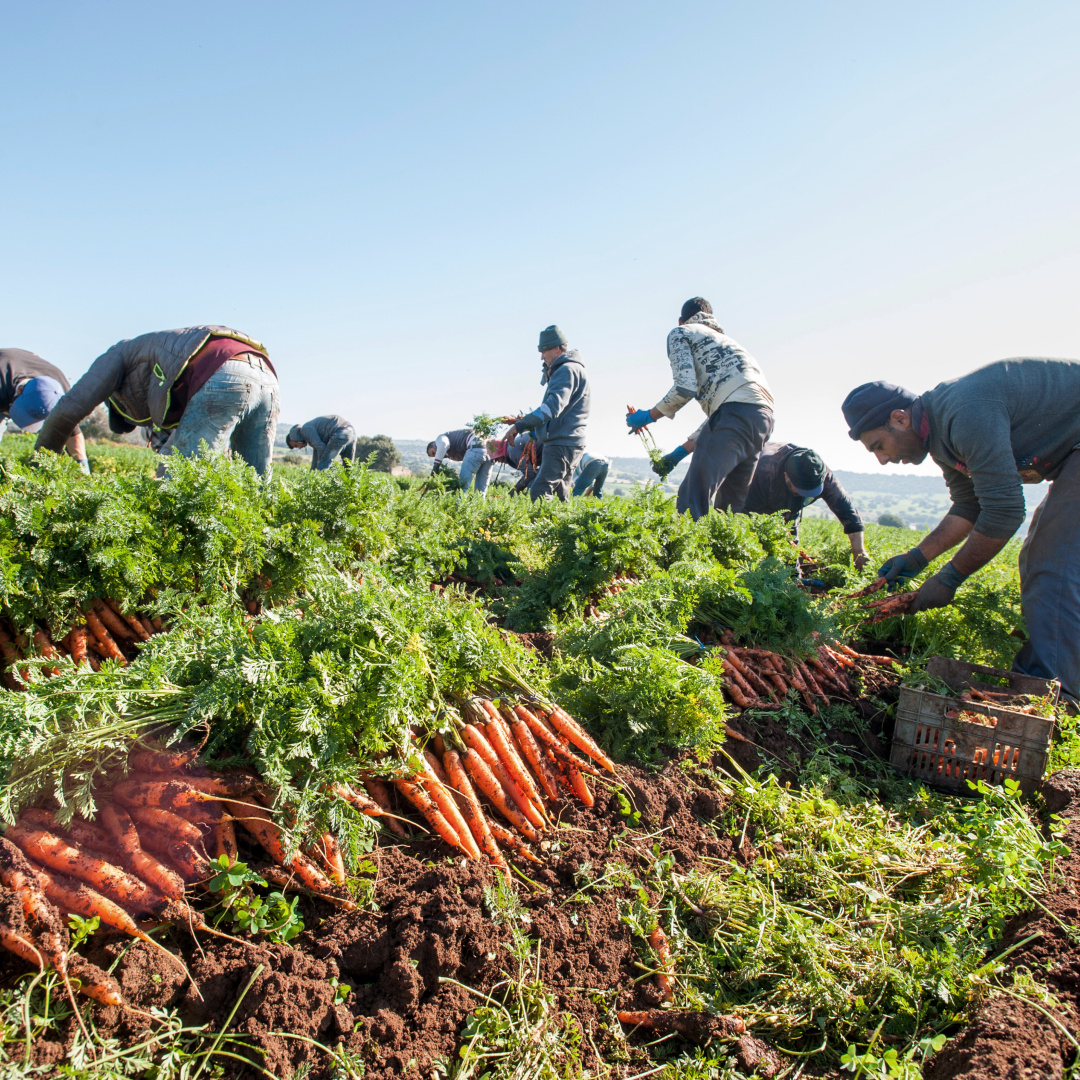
(36, 400)
(869, 406)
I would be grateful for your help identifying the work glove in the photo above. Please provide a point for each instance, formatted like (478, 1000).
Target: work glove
(84, 465)
(638, 419)
(669, 461)
(436, 468)
(900, 569)
(938, 590)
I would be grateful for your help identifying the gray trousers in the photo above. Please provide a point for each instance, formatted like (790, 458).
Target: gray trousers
(1050, 585)
(556, 470)
(725, 458)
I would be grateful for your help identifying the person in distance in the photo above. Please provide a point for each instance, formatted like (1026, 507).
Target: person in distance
(464, 445)
(202, 382)
(590, 474)
(727, 383)
(329, 437)
(1009, 423)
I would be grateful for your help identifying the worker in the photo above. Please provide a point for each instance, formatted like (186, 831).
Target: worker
(1009, 423)
(590, 474)
(789, 478)
(329, 437)
(559, 421)
(209, 383)
(731, 390)
(30, 387)
(466, 446)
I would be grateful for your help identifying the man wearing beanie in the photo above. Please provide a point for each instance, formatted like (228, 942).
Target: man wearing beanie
(1006, 424)
(329, 437)
(559, 421)
(205, 383)
(29, 390)
(731, 390)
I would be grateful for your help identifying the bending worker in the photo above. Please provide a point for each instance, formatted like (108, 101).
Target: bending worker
(788, 479)
(206, 382)
(328, 436)
(589, 476)
(29, 390)
(730, 388)
(466, 446)
(559, 421)
(1010, 423)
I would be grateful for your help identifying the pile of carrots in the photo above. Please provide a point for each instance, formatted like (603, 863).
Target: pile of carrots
(492, 782)
(757, 677)
(154, 839)
(107, 633)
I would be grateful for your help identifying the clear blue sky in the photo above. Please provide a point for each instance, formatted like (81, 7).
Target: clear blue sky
(397, 197)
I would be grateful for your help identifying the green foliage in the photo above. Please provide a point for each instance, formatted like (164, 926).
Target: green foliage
(272, 916)
(386, 454)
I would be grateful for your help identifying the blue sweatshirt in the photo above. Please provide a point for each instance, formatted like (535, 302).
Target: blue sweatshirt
(560, 420)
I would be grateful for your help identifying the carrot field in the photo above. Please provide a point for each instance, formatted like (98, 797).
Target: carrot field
(337, 774)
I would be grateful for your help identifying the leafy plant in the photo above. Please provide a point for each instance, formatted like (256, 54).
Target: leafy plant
(274, 916)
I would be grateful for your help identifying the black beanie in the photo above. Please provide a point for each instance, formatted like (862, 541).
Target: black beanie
(869, 406)
(694, 306)
(806, 471)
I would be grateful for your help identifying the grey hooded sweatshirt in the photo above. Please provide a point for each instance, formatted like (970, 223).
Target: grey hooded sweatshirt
(561, 417)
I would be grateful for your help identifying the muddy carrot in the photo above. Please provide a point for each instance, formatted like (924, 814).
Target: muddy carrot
(566, 725)
(192, 865)
(508, 840)
(94, 659)
(94, 983)
(476, 739)
(811, 681)
(76, 642)
(529, 747)
(659, 943)
(328, 853)
(22, 945)
(838, 658)
(226, 785)
(105, 641)
(48, 649)
(132, 620)
(122, 829)
(165, 761)
(260, 823)
(482, 776)
(581, 788)
(84, 833)
(442, 795)
(17, 874)
(169, 823)
(166, 794)
(471, 809)
(418, 795)
(737, 694)
(113, 623)
(757, 684)
(380, 795)
(12, 656)
(148, 626)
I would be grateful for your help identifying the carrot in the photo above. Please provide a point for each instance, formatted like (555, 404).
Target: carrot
(17, 874)
(42, 641)
(110, 650)
(228, 785)
(442, 796)
(13, 677)
(72, 895)
(157, 624)
(659, 943)
(57, 854)
(838, 658)
(85, 833)
(172, 825)
(328, 852)
(357, 801)
(122, 830)
(191, 864)
(472, 810)
(514, 843)
(481, 774)
(558, 745)
(737, 694)
(165, 761)
(811, 682)
(22, 946)
(756, 682)
(258, 821)
(502, 740)
(560, 768)
(132, 620)
(696, 1026)
(527, 741)
(581, 789)
(96, 984)
(567, 726)
(76, 643)
(477, 741)
(380, 795)
(94, 659)
(418, 795)
(224, 840)
(165, 794)
(276, 875)
(112, 622)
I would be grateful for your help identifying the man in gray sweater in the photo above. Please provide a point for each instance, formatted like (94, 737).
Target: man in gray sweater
(559, 421)
(329, 437)
(1006, 424)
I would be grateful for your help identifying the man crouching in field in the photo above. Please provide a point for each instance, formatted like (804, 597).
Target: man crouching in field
(206, 382)
(1010, 423)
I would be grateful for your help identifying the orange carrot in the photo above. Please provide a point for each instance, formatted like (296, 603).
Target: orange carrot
(48, 649)
(166, 794)
(417, 794)
(43, 919)
(566, 725)
(96, 984)
(85, 833)
(557, 744)
(509, 840)
(105, 641)
(131, 620)
(120, 826)
(57, 854)
(22, 945)
(481, 774)
(12, 656)
(471, 809)
(327, 852)
(258, 821)
(76, 642)
(380, 795)
(581, 789)
(164, 761)
(157, 624)
(192, 865)
(811, 681)
(147, 626)
(113, 623)
(227, 785)
(224, 840)
(659, 943)
(443, 798)
(502, 740)
(527, 741)
(477, 740)
(171, 824)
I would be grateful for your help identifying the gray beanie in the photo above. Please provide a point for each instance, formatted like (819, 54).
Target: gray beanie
(295, 435)
(869, 406)
(551, 337)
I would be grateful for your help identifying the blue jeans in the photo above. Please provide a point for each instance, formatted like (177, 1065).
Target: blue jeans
(476, 463)
(237, 405)
(594, 474)
(336, 444)
(1050, 585)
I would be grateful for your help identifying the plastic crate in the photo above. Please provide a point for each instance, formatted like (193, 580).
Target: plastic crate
(933, 744)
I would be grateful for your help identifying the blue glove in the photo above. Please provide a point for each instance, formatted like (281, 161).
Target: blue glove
(637, 420)
(669, 461)
(902, 568)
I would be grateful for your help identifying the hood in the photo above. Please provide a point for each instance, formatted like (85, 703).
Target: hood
(705, 320)
(571, 356)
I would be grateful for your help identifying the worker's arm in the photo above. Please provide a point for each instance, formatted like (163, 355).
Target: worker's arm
(317, 443)
(559, 388)
(684, 375)
(105, 377)
(76, 448)
(839, 502)
(442, 445)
